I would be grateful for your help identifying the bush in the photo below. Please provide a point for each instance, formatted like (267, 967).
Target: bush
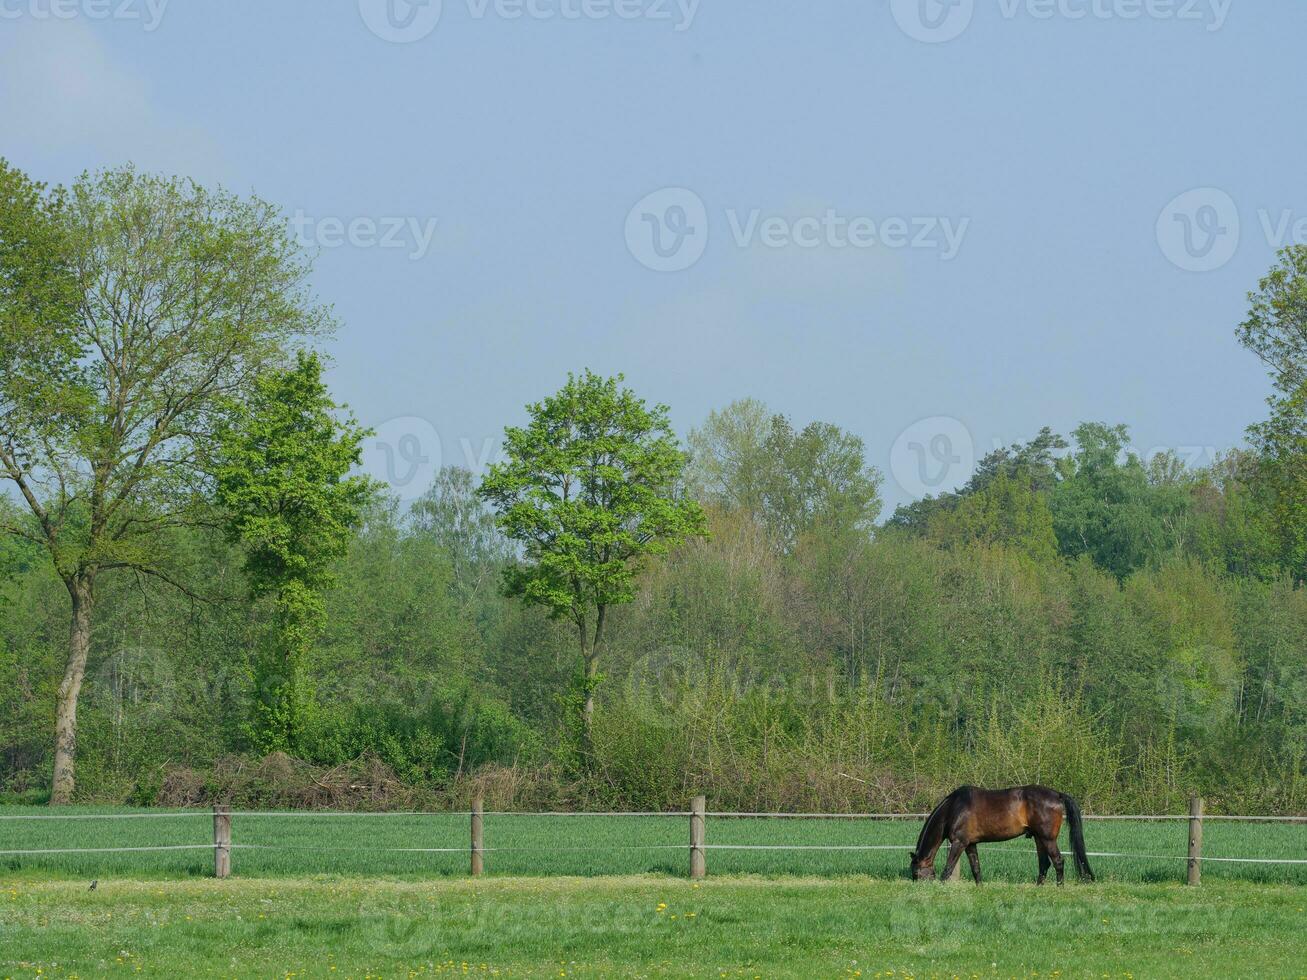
(455, 732)
(278, 781)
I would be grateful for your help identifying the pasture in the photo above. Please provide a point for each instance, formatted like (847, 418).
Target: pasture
(276, 845)
(855, 926)
(607, 895)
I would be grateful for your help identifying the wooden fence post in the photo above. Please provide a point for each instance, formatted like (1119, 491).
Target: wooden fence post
(478, 840)
(698, 811)
(1195, 839)
(956, 873)
(221, 841)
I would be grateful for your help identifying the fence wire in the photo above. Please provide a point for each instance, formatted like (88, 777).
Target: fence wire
(599, 847)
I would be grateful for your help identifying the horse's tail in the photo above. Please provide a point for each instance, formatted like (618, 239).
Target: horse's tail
(1075, 822)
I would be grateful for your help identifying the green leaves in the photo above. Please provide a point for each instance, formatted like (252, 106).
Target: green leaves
(816, 480)
(792, 482)
(38, 304)
(281, 473)
(134, 309)
(1281, 442)
(1276, 331)
(1276, 326)
(590, 491)
(282, 477)
(1105, 505)
(1102, 500)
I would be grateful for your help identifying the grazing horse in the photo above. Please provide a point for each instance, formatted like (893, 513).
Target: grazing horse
(969, 816)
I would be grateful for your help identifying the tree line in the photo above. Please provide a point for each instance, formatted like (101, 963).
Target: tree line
(192, 572)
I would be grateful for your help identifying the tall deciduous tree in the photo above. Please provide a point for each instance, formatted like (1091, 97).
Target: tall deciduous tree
(1281, 443)
(282, 473)
(1004, 502)
(164, 302)
(591, 490)
(1276, 331)
(728, 456)
(1106, 507)
(461, 525)
(1276, 326)
(791, 481)
(818, 480)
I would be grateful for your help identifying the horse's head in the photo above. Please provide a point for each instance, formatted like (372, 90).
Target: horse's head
(920, 870)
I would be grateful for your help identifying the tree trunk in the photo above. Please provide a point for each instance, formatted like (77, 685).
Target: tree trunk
(81, 588)
(592, 669)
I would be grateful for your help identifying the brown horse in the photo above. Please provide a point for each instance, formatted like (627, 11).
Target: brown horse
(969, 816)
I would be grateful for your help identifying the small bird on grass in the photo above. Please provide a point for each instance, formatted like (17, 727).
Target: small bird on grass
(93, 884)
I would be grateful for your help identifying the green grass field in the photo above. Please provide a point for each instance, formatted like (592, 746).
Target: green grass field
(647, 926)
(317, 895)
(525, 845)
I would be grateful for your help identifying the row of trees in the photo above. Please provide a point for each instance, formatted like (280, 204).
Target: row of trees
(148, 386)
(727, 613)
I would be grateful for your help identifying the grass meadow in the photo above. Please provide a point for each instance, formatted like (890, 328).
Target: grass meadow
(276, 845)
(595, 896)
(640, 926)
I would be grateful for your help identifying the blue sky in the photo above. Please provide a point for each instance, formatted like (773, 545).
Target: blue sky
(984, 229)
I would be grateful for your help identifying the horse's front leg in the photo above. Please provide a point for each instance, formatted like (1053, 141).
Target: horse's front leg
(955, 849)
(974, 858)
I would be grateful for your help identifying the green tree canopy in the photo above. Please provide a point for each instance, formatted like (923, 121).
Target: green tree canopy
(1281, 444)
(1004, 502)
(818, 479)
(591, 490)
(792, 482)
(1275, 328)
(1003, 510)
(459, 523)
(283, 460)
(38, 304)
(1105, 506)
(180, 297)
(728, 456)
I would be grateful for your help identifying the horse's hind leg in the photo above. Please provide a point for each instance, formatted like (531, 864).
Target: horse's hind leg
(974, 858)
(1044, 862)
(1056, 855)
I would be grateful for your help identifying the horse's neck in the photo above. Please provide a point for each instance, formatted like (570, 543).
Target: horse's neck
(932, 835)
(935, 836)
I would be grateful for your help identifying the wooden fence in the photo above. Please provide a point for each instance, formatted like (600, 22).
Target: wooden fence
(696, 847)
(698, 844)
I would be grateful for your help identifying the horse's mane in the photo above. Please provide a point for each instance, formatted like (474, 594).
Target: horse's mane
(929, 825)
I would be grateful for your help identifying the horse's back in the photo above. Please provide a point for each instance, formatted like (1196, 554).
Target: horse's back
(1002, 814)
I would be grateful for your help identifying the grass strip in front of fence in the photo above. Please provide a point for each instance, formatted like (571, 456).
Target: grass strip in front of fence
(646, 926)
